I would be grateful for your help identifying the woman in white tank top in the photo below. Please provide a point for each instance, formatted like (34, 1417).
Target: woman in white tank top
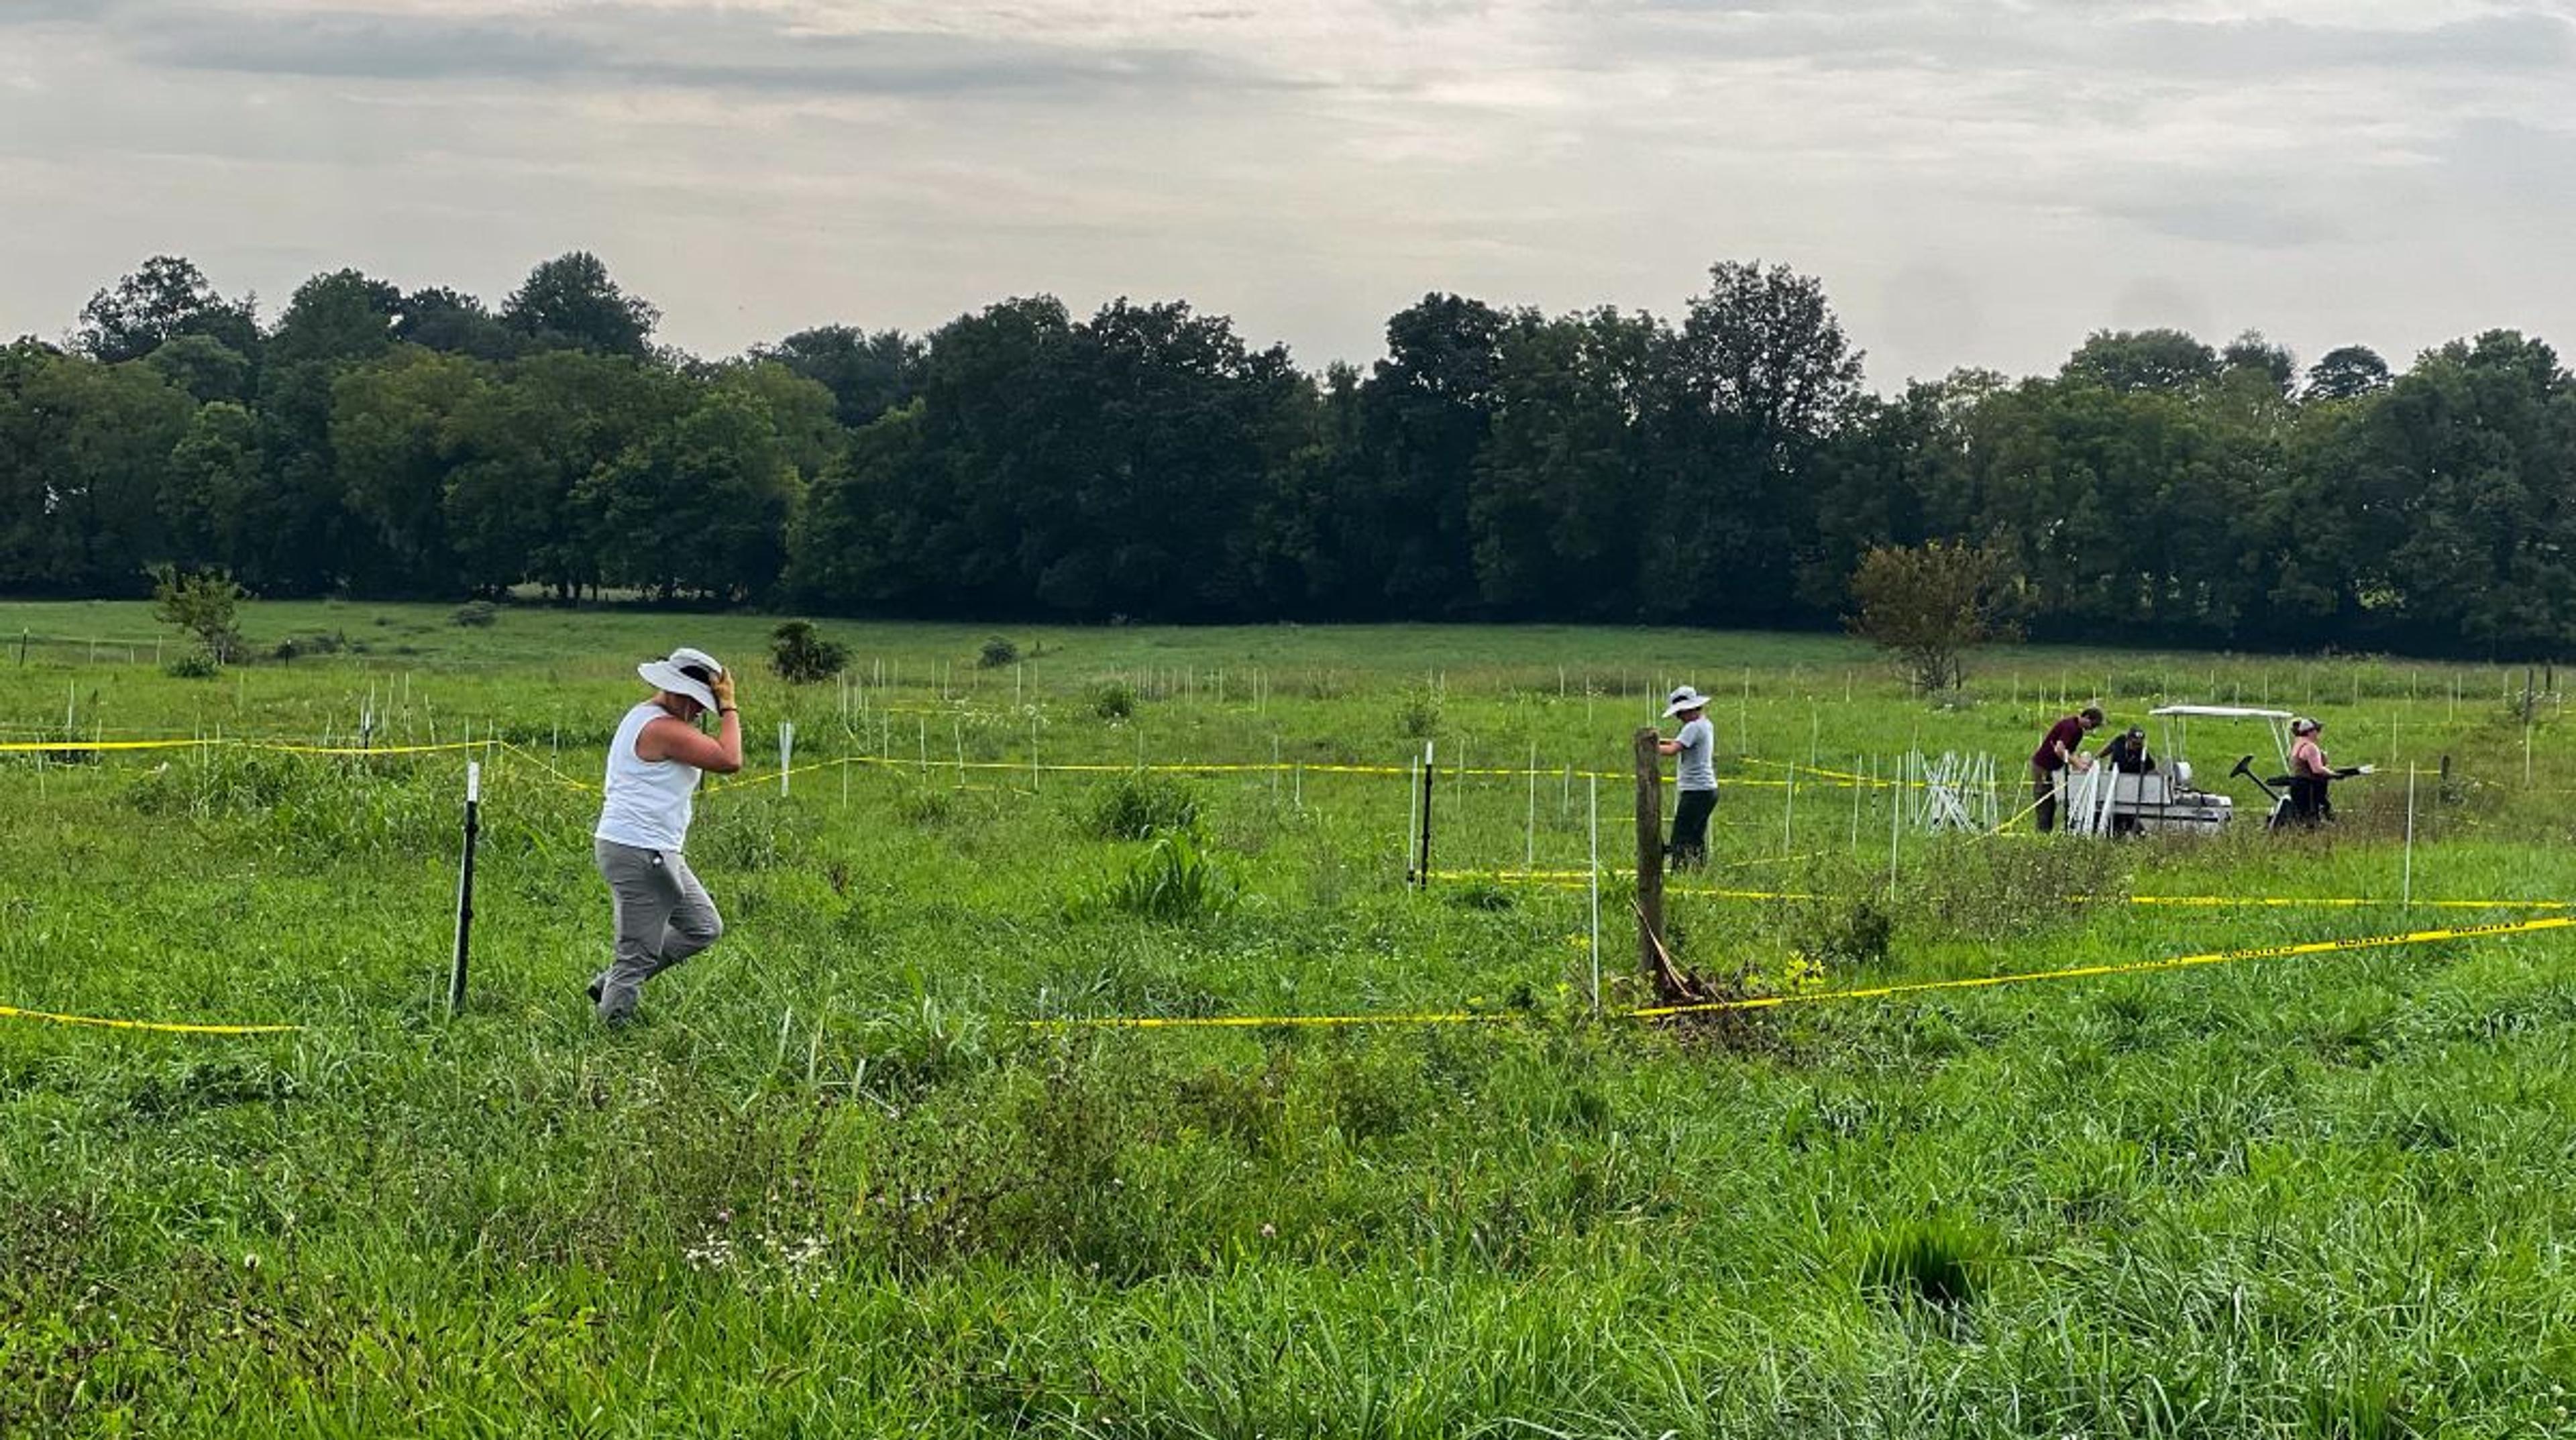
(663, 913)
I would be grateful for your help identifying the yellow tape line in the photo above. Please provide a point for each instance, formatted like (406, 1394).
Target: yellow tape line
(165, 1027)
(1254, 1022)
(1876, 992)
(275, 747)
(18, 747)
(2294, 902)
(2134, 967)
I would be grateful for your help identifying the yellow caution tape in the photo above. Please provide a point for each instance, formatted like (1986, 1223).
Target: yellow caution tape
(2134, 967)
(1875, 992)
(273, 746)
(161, 1026)
(1255, 1022)
(2294, 902)
(55, 747)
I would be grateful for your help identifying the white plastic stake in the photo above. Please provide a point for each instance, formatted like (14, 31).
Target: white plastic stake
(1594, 783)
(786, 751)
(1529, 851)
(2406, 887)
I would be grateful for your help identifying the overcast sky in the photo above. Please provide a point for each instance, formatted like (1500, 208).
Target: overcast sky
(1977, 182)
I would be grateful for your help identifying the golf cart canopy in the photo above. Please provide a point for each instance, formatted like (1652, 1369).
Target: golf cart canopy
(2222, 712)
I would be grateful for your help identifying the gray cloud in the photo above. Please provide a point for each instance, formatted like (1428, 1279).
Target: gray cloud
(610, 47)
(1977, 181)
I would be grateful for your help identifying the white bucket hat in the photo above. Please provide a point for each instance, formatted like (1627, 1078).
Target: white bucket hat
(688, 672)
(1683, 699)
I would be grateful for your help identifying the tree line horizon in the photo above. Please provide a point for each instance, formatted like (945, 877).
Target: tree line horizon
(1725, 469)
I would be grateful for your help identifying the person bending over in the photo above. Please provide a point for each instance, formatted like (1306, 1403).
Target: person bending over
(663, 913)
(2060, 750)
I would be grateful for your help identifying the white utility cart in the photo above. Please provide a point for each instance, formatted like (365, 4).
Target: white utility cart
(2164, 800)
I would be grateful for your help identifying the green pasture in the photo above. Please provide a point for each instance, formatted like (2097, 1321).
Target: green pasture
(836, 1184)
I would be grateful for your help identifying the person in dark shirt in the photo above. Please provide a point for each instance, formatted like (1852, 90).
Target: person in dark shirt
(2127, 753)
(2062, 749)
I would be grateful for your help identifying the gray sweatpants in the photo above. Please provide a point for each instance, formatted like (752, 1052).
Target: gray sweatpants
(663, 918)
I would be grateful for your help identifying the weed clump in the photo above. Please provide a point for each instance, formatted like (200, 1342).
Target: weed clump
(1173, 882)
(476, 615)
(1113, 700)
(1140, 807)
(192, 665)
(997, 652)
(1417, 713)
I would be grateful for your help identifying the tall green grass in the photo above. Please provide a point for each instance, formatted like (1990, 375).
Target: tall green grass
(833, 1184)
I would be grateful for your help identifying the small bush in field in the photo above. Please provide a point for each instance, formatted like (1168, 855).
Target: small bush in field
(476, 615)
(997, 652)
(1114, 700)
(800, 656)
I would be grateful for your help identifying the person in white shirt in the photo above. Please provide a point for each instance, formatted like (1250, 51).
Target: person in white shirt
(663, 914)
(1694, 778)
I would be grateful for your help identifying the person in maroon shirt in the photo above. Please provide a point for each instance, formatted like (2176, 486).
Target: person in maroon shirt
(2063, 748)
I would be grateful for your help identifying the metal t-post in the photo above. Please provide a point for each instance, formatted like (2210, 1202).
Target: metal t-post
(465, 888)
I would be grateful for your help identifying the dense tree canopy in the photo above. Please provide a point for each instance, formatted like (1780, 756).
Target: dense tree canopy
(1724, 467)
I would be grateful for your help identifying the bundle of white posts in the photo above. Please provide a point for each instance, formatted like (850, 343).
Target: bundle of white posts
(2088, 799)
(1954, 792)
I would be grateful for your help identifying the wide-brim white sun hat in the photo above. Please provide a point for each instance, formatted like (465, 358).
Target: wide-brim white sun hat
(1683, 699)
(688, 672)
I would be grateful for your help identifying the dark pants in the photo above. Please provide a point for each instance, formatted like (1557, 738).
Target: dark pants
(2043, 788)
(2308, 804)
(1691, 809)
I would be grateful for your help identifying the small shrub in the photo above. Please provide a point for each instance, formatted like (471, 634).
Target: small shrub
(1417, 713)
(926, 808)
(1933, 1262)
(192, 665)
(1113, 700)
(1140, 807)
(1855, 936)
(202, 603)
(800, 656)
(997, 652)
(1174, 882)
(476, 615)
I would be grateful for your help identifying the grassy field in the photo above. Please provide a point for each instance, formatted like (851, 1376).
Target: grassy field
(835, 1183)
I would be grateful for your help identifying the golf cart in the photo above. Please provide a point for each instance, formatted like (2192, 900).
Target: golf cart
(2164, 800)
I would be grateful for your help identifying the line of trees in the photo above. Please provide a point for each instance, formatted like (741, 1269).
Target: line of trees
(1724, 468)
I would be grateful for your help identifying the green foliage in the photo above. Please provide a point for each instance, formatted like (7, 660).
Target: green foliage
(1173, 882)
(800, 656)
(476, 615)
(1139, 806)
(1498, 463)
(193, 665)
(1417, 712)
(203, 604)
(1929, 605)
(1113, 700)
(997, 652)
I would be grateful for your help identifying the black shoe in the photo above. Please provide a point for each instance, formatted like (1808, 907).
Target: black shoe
(592, 989)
